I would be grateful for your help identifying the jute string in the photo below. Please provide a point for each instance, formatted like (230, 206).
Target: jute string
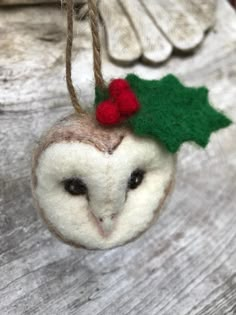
(93, 17)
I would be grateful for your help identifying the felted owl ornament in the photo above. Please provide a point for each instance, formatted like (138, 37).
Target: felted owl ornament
(99, 179)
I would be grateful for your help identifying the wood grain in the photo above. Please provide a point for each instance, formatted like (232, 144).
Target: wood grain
(186, 263)
(181, 28)
(155, 47)
(202, 11)
(122, 42)
(152, 29)
(34, 2)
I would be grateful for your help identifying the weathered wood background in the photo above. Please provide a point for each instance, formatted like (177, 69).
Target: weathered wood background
(186, 263)
(35, 2)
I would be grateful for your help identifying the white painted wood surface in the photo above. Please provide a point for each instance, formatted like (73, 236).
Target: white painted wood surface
(155, 47)
(186, 263)
(122, 42)
(180, 27)
(202, 11)
(160, 26)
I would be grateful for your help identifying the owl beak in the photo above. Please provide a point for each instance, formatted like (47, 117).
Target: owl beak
(106, 212)
(106, 224)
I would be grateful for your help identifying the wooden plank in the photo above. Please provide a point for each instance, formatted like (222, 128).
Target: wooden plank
(37, 52)
(179, 27)
(33, 2)
(17, 2)
(185, 264)
(155, 47)
(122, 42)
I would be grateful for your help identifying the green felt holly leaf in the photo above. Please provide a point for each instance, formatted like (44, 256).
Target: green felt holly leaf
(171, 112)
(174, 113)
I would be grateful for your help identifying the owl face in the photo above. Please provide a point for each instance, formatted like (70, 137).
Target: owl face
(101, 198)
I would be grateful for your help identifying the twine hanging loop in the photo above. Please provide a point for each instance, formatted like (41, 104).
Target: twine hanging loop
(93, 17)
(97, 65)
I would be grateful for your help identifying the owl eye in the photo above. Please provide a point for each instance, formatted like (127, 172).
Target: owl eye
(75, 186)
(136, 179)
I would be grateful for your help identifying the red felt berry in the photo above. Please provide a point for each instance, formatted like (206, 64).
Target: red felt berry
(127, 103)
(107, 113)
(117, 86)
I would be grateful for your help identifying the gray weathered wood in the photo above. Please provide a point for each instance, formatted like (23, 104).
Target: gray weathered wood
(16, 2)
(186, 263)
(30, 2)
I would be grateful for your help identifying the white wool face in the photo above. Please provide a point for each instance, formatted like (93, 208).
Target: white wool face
(125, 213)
